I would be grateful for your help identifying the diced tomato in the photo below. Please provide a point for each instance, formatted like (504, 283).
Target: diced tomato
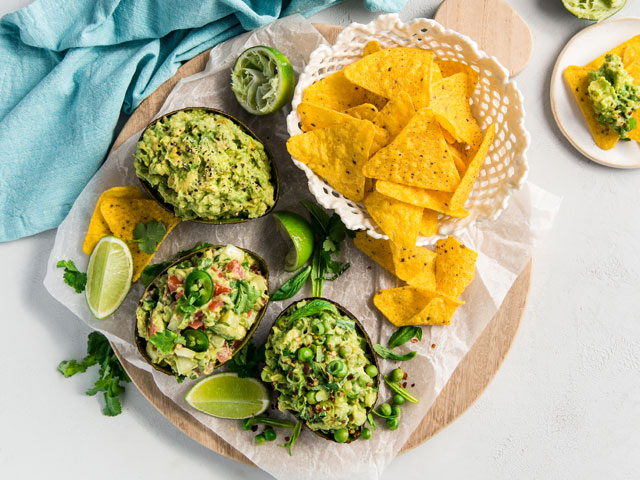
(236, 269)
(215, 305)
(197, 320)
(224, 354)
(219, 289)
(217, 272)
(174, 282)
(179, 294)
(152, 329)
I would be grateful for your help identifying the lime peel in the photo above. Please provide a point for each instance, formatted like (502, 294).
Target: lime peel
(299, 234)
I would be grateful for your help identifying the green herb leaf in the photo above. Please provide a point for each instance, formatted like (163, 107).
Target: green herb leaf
(246, 296)
(152, 271)
(370, 420)
(292, 286)
(72, 276)
(312, 308)
(247, 423)
(294, 436)
(165, 340)
(319, 219)
(198, 246)
(149, 236)
(404, 334)
(246, 363)
(388, 354)
(396, 387)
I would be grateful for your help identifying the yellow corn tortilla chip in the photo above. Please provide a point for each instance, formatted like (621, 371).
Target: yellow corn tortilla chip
(633, 44)
(314, 116)
(366, 111)
(459, 158)
(631, 55)
(418, 156)
(577, 79)
(337, 154)
(420, 197)
(376, 249)
(338, 93)
(450, 67)
(398, 220)
(393, 118)
(429, 223)
(410, 262)
(447, 136)
(455, 266)
(415, 306)
(388, 72)
(436, 73)
(98, 226)
(450, 105)
(372, 46)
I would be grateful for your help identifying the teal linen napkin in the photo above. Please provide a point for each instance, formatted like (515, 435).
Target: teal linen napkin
(68, 68)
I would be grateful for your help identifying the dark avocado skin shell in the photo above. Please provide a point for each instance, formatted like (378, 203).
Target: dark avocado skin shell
(141, 343)
(371, 354)
(275, 179)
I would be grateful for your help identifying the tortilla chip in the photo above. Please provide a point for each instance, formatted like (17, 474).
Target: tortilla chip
(455, 266)
(393, 118)
(426, 278)
(338, 93)
(389, 71)
(577, 78)
(410, 262)
(418, 156)
(398, 220)
(450, 105)
(337, 154)
(436, 73)
(98, 226)
(415, 306)
(459, 158)
(372, 46)
(447, 136)
(429, 223)
(450, 67)
(632, 44)
(366, 111)
(631, 55)
(314, 116)
(420, 197)
(376, 249)
(461, 194)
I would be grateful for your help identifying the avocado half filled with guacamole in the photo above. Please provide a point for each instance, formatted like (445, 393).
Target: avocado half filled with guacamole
(201, 310)
(204, 165)
(320, 361)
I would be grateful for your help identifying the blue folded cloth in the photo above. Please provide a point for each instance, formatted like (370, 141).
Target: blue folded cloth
(68, 68)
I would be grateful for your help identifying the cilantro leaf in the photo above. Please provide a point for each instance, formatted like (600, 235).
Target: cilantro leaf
(72, 276)
(165, 340)
(246, 296)
(246, 363)
(149, 236)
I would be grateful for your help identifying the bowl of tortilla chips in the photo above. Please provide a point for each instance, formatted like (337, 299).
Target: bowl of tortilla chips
(408, 131)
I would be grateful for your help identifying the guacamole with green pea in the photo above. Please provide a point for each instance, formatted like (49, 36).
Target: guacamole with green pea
(319, 365)
(195, 315)
(614, 96)
(206, 166)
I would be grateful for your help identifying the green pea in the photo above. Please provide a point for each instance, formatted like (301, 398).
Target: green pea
(260, 439)
(270, 434)
(366, 433)
(305, 354)
(385, 409)
(371, 370)
(341, 435)
(344, 351)
(311, 397)
(319, 328)
(321, 395)
(399, 399)
(395, 411)
(363, 381)
(393, 423)
(396, 375)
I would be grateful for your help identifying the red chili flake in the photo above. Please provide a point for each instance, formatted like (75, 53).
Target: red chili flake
(414, 340)
(404, 377)
(433, 345)
(286, 439)
(404, 385)
(413, 385)
(369, 267)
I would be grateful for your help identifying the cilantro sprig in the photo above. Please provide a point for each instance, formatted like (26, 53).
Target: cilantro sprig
(246, 363)
(149, 235)
(72, 276)
(110, 375)
(244, 296)
(165, 340)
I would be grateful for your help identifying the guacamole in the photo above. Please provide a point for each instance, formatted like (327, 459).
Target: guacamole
(316, 361)
(206, 166)
(195, 315)
(614, 96)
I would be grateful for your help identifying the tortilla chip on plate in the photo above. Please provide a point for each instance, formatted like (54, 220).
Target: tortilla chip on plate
(393, 118)
(314, 116)
(415, 306)
(633, 45)
(372, 46)
(455, 266)
(398, 220)
(338, 93)
(366, 111)
(376, 249)
(410, 262)
(420, 197)
(450, 67)
(429, 223)
(418, 156)
(337, 154)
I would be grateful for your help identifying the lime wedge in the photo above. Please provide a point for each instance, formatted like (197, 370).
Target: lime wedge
(298, 233)
(262, 80)
(597, 10)
(225, 395)
(108, 276)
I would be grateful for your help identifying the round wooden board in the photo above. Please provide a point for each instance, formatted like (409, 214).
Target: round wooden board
(467, 382)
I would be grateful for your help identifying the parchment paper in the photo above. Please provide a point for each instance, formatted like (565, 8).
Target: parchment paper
(504, 246)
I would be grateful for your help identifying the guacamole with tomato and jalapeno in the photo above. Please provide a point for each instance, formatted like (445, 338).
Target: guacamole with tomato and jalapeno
(196, 314)
(206, 166)
(320, 365)
(614, 96)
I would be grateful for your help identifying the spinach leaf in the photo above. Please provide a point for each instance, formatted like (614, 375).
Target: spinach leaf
(404, 334)
(292, 286)
(388, 354)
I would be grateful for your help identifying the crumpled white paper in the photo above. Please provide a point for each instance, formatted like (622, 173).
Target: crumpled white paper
(504, 246)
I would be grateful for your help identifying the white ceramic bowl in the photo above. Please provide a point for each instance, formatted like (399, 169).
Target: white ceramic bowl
(495, 100)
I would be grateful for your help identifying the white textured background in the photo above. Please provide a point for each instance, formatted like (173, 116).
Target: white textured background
(566, 403)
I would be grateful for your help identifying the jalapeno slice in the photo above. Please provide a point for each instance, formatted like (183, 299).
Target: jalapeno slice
(199, 285)
(195, 340)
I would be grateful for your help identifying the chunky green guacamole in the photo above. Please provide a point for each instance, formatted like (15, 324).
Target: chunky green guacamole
(206, 166)
(196, 314)
(317, 364)
(614, 96)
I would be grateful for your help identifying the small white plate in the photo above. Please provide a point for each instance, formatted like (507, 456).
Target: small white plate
(588, 44)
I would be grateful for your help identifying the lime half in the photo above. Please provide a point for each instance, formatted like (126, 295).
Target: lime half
(298, 233)
(597, 10)
(225, 395)
(108, 276)
(262, 80)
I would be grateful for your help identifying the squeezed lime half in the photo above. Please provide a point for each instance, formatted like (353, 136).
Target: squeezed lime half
(262, 80)
(108, 276)
(225, 395)
(298, 233)
(597, 10)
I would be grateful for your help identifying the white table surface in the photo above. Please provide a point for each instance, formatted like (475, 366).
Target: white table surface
(566, 403)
